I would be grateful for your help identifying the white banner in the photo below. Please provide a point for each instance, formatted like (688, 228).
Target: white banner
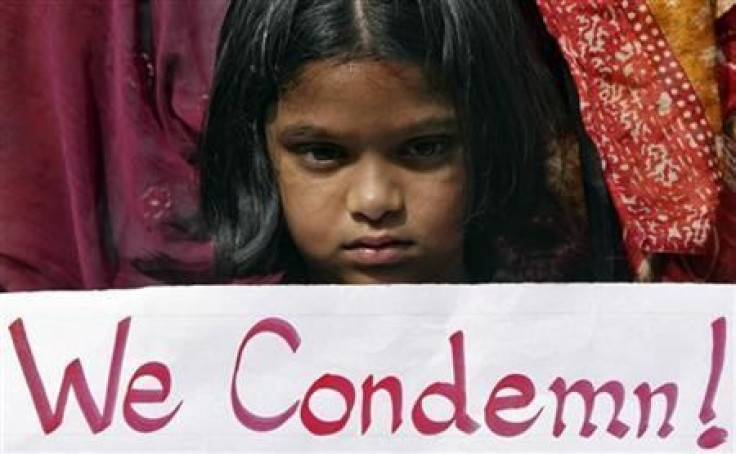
(392, 368)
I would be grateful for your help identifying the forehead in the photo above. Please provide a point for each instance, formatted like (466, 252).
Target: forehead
(361, 88)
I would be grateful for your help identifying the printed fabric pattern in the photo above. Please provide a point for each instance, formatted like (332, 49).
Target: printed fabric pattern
(645, 72)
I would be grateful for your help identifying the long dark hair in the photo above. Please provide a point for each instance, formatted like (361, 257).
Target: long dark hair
(478, 52)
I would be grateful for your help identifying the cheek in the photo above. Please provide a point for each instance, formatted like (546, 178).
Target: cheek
(439, 210)
(309, 207)
(443, 216)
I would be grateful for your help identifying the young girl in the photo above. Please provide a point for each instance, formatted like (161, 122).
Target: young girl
(381, 141)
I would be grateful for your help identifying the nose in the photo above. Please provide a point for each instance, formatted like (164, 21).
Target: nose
(374, 194)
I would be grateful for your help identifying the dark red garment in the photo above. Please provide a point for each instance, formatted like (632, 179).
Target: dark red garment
(97, 137)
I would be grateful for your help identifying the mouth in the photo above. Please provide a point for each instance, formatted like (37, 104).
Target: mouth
(378, 250)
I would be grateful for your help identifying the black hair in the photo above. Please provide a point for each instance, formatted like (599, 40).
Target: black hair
(480, 53)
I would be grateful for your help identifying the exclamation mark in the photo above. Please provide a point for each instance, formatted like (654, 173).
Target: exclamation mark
(714, 436)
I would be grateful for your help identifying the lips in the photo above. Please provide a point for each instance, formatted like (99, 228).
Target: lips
(377, 250)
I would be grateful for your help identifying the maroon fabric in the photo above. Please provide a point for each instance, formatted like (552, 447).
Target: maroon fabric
(96, 138)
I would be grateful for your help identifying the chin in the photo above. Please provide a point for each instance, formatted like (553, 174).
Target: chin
(382, 276)
(371, 280)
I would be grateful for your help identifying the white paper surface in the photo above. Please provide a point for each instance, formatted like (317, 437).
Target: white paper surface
(629, 334)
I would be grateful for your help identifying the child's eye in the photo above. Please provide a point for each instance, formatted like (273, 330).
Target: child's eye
(320, 155)
(428, 150)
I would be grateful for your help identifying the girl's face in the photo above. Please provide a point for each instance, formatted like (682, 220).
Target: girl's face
(369, 164)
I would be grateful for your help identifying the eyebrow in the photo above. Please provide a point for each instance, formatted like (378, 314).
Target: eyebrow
(308, 131)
